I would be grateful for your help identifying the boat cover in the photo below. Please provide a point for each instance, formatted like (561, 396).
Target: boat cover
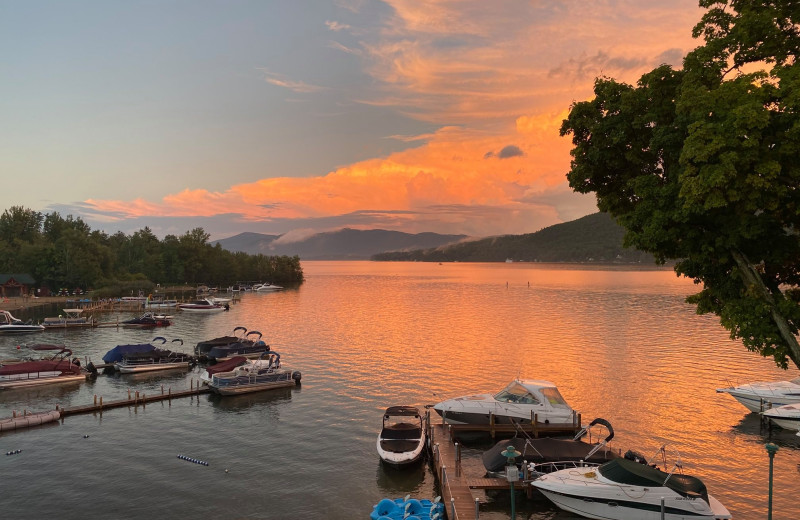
(226, 366)
(544, 450)
(624, 471)
(30, 367)
(120, 351)
(411, 411)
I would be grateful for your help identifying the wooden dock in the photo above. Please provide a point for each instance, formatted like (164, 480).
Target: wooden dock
(134, 399)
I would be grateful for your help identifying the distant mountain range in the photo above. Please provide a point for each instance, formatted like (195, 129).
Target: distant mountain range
(345, 244)
(594, 238)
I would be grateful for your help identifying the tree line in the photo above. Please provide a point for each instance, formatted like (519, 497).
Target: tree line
(61, 252)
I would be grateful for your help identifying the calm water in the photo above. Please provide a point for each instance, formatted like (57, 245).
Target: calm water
(619, 344)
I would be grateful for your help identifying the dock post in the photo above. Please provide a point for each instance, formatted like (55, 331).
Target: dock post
(129, 394)
(457, 457)
(101, 402)
(14, 413)
(477, 511)
(580, 421)
(443, 478)
(162, 389)
(453, 507)
(436, 453)
(491, 424)
(137, 397)
(526, 475)
(95, 399)
(535, 420)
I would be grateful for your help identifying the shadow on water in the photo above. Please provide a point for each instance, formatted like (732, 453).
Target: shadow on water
(236, 403)
(400, 481)
(755, 430)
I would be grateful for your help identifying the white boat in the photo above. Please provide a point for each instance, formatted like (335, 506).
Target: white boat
(160, 303)
(519, 402)
(757, 397)
(624, 489)
(57, 369)
(266, 287)
(156, 359)
(10, 324)
(786, 416)
(255, 376)
(70, 319)
(203, 305)
(402, 437)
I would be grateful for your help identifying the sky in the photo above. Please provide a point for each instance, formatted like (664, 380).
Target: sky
(301, 116)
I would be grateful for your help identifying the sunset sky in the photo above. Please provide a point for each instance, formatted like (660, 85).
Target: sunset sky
(306, 116)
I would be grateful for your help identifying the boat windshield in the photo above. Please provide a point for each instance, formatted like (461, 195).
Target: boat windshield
(553, 396)
(516, 393)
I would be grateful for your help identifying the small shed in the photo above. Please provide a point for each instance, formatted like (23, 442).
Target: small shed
(18, 284)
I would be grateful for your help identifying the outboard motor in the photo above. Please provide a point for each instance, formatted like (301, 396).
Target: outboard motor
(296, 376)
(92, 369)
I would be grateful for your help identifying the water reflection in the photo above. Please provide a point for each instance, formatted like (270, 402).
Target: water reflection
(398, 481)
(620, 345)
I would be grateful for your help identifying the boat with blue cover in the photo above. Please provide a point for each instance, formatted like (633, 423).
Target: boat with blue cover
(408, 509)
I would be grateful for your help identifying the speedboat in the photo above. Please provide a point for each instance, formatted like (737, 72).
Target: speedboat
(155, 359)
(203, 305)
(757, 397)
(266, 287)
(255, 376)
(519, 402)
(57, 369)
(624, 489)
(786, 416)
(10, 324)
(71, 319)
(402, 437)
(148, 319)
(547, 454)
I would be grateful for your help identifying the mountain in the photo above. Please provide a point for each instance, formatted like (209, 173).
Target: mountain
(594, 238)
(345, 244)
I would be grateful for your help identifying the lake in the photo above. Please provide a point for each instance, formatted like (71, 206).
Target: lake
(620, 344)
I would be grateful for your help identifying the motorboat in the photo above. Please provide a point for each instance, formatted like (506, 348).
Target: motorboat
(757, 397)
(239, 336)
(148, 319)
(547, 454)
(624, 489)
(266, 287)
(786, 416)
(252, 347)
(72, 318)
(203, 305)
(402, 437)
(155, 359)
(255, 376)
(11, 325)
(57, 369)
(520, 402)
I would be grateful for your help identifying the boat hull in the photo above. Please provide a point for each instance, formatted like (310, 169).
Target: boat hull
(252, 387)
(757, 403)
(399, 458)
(149, 367)
(8, 383)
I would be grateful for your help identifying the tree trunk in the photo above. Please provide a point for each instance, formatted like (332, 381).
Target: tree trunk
(753, 277)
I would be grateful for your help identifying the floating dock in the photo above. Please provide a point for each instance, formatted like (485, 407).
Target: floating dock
(134, 399)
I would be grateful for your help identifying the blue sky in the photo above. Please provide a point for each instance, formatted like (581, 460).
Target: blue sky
(300, 116)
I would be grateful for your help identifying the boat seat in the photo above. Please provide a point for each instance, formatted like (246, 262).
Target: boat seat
(402, 431)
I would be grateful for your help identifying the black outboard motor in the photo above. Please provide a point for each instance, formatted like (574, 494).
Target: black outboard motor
(92, 369)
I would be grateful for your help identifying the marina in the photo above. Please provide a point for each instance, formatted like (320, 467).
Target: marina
(648, 374)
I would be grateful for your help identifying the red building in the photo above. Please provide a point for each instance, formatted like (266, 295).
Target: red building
(15, 285)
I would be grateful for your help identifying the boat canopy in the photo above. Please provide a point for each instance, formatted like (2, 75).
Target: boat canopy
(410, 411)
(120, 351)
(624, 471)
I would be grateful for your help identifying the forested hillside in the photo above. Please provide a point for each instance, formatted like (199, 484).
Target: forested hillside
(593, 238)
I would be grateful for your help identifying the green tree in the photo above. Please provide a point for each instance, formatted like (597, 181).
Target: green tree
(700, 165)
